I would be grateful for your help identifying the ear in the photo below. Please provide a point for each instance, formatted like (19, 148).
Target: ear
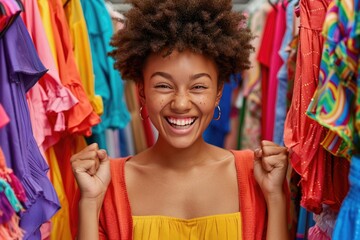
(219, 93)
(141, 92)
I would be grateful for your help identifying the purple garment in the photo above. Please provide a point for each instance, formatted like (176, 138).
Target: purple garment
(6, 210)
(20, 69)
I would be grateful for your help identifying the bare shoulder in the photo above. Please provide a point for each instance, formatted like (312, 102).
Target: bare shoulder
(220, 155)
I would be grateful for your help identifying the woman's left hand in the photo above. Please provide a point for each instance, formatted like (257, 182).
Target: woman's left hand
(270, 167)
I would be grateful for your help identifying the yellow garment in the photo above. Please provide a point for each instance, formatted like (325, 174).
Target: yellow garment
(61, 220)
(222, 226)
(82, 51)
(46, 19)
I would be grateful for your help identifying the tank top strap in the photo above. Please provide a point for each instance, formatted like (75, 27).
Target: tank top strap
(251, 200)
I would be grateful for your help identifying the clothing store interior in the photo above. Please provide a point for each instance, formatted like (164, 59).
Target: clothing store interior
(60, 92)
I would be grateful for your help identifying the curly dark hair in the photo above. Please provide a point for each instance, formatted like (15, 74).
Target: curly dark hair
(208, 27)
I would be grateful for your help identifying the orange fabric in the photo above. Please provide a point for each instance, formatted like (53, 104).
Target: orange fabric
(82, 117)
(116, 219)
(252, 202)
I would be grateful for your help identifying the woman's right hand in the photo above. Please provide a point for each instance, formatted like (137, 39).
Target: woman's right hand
(91, 168)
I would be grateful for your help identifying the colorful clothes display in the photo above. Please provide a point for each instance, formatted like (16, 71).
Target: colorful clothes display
(81, 117)
(334, 104)
(48, 99)
(20, 70)
(82, 52)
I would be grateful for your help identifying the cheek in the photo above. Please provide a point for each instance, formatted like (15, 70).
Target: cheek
(205, 101)
(162, 102)
(157, 102)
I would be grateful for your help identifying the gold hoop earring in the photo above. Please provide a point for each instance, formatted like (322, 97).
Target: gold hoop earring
(140, 113)
(219, 115)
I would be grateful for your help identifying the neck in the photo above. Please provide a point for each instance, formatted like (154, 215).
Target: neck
(180, 158)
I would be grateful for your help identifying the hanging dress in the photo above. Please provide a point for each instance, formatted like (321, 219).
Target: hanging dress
(302, 134)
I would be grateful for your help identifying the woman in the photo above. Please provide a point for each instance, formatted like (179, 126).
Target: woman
(180, 53)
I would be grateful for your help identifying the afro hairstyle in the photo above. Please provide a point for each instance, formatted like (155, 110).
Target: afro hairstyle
(208, 27)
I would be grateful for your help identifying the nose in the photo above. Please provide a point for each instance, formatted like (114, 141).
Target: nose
(181, 102)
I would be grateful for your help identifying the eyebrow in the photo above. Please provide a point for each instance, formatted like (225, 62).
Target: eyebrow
(169, 77)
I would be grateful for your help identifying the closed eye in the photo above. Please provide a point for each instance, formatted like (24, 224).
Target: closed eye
(163, 86)
(199, 87)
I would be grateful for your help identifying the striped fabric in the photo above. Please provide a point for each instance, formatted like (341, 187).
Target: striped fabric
(334, 104)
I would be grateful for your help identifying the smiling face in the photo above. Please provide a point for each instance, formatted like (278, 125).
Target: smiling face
(180, 93)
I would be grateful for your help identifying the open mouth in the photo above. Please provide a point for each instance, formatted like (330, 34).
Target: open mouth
(181, 122)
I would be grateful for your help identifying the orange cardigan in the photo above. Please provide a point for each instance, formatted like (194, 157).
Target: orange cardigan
(116, 219)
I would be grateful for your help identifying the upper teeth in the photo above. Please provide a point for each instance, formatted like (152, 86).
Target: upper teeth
(181, 122)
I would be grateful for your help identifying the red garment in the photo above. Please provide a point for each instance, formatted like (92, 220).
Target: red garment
(116, 218)
(264, 58)
(275, 65)
(302, 134)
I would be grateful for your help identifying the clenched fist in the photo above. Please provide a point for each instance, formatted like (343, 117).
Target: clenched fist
(270, 167)
(91, 168)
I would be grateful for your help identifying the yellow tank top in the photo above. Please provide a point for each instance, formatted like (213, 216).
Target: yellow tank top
(222, 226)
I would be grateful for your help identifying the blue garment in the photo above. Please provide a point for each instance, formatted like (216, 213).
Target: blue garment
(21, 68)
(218, 129)
(347, 224)
(123, 143)
(280, 110)
(108, 82)
(305, 221)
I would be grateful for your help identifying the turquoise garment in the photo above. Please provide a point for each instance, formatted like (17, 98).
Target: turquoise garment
(108, 82)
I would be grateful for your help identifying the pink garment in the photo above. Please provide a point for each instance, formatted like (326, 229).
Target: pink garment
(315, 233)
(37, 100)
(325, 223)
(45, 230)
(275, 65)
(4, 119)
(59, 99)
